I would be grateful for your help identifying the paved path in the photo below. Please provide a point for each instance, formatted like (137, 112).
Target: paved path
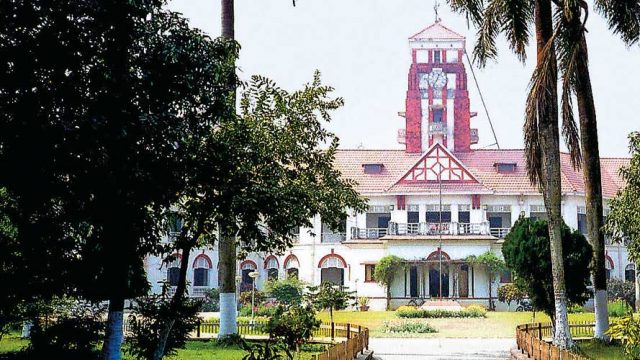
(446, 349)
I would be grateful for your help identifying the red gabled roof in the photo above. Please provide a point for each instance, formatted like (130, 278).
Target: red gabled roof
(480, 163)
(437, 31)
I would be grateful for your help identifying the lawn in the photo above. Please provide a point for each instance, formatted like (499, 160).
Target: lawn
(598, 350)
(195, 350)
(497, 324)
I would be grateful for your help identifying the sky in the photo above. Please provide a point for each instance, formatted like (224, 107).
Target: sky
(361, 49)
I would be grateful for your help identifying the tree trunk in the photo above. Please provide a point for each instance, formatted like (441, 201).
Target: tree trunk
(549, 136)
(176, 300)
(113, 331)
(593, 187)
(227, 283)
(228, 19)
(388, 297)
(227, 244)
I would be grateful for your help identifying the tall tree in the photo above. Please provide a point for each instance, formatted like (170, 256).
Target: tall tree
(571, 17)
(541, 130)
(107, 111)
(227, 252)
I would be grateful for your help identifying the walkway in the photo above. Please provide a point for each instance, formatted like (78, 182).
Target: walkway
(446, 349)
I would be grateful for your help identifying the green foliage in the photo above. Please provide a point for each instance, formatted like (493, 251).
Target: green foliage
(385, 270)
(330, 297)
(294, 326)
(627, 330)
(527, 254)
(71, 330)
(575, 309)
(408, 327)
(228, 340)
(259, 299)
(363, 301)
(287, 292)
(427, 314)
(269, 350)
(618, 308)
(150, 315)
(624, 215)
(211, 301)
(511, 293)
(492, 264)
(618, 289)
(265, 310)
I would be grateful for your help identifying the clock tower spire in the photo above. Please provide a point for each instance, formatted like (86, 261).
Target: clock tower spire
(437, 103)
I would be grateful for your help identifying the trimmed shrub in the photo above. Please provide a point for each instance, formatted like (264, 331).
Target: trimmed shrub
(575, 309)
(430, 314)
(408, 327)
(406, 308)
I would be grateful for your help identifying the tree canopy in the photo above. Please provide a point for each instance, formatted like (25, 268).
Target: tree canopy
(526, 252)
(623, 220)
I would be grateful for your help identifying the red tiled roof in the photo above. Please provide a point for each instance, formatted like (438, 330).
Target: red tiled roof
(481, 163)
(437, 31)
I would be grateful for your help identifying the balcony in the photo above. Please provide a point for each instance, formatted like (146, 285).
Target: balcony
(437, 128)
(429, 229)
(332, 238)
(368, 233)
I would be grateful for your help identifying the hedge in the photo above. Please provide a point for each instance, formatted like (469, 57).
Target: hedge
(471, 312)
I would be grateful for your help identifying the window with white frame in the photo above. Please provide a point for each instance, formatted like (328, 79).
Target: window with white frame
(332, 270)
(247, 267)
(630, 272)
(291, 266)
(201, 267)
(272, 268)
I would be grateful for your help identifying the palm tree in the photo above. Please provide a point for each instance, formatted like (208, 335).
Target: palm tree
(541, 130)
(226, 244)
(623, 18)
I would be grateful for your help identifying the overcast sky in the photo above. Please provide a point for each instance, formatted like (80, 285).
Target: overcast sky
(361, 49)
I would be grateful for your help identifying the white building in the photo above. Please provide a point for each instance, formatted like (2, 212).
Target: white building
(483, 192)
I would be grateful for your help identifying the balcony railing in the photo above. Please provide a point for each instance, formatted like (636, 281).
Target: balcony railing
(437, 128)
(500, 232)
(368, 233)
(199, 291)
(425, 228)
(333, 237)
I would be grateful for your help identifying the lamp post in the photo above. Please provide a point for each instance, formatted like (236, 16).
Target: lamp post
(253, 275)
(238, 282)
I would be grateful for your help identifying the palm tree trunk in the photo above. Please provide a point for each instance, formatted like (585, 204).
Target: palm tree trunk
(549, 136)
(226, 243)
(227, 283)
(593, 187)
(388, 297)
(228, 20)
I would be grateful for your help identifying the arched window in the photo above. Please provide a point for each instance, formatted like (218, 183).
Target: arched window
(173, 272)
(291, 266)
(630, 272)
(201, 266)
(271, 264)
(608, 265)
(246, 267)
(332, 269)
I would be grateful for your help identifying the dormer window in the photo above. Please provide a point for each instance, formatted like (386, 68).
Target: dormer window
(504, 168)
(372, 168)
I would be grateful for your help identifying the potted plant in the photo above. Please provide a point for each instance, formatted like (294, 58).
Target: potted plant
(364, 303)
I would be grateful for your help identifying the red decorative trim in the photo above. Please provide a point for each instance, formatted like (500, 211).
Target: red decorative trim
(266, 260)
(289, 257)
(204, 257)
(457, 171)
(610, 260)
(434, 255)
(344, 263)
(255, 266)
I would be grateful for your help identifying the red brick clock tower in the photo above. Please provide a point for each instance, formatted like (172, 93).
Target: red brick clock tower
(437, 104)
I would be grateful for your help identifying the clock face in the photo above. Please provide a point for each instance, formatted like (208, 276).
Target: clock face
(437, 79)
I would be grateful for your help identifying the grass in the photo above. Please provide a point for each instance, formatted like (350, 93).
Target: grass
(11, 343)
(195, 350)
(600, 351)
(497, 324)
